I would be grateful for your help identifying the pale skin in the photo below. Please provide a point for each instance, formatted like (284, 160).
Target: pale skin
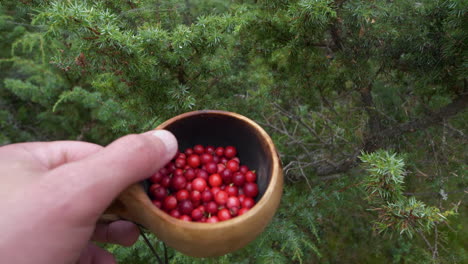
(53, 193)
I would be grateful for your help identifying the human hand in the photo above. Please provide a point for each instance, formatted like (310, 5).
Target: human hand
(52, 194)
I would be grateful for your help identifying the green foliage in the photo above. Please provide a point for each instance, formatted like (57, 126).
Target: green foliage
(322, 77)
(384, 185)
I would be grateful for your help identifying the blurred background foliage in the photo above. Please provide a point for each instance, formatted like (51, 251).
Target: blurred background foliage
(365, 100)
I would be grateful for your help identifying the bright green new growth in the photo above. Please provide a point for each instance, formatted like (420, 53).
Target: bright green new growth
(396, 212)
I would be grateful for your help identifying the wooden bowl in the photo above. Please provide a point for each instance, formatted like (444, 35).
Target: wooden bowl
(255, 149)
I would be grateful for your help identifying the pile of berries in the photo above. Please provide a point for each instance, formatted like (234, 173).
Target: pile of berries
(204, 184)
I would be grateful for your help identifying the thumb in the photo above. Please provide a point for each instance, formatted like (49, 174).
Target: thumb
(96, 180)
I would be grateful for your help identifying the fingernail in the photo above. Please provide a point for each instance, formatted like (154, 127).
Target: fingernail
(169, 141)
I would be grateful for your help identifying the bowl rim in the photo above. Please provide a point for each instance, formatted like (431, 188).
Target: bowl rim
(276, 173)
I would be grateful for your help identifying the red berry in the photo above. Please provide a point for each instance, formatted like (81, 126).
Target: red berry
(170, 202)
(188, 187)
(210, 149)
(189, 174)
(181, 156)
(233, 202)
(236, 159)
(221, 197)
(157, 177)
(158, 204)
(206, 158)
(234, 211)
(194, 161)
(219, 151)
(212, 219)
(206, 196)
(215, 190)
(221, 167)
(211, 207)
(164, 171)
(186, 207)
(250, 189)
(153, 187)
(238, 179)
(241, 198)
(179, 172)
(211, 167)
(227, 176)
(215, 180)
(250, 176)
(185, 218)
(178, 182)
(180, 162)
(231, 190)
(248, 203)
(243, 211)
(199, 149)
(188, 152)
(202, 174)
(243, 169)
(224, 160)
(199, 184)
(175, 213)
(182, 195)
(230, 152)
(197, 214)
(160, 193)
(232, 165)
(195, 196)
(224, 215)
(166, 181)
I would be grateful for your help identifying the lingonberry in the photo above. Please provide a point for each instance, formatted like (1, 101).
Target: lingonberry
(170, 202)
(199, 149)
(182, 195)
(231, 190)
(197, 214)
(215, 180)
(157, 177)
(206, 196)
(195, 196)
(199, 184)
(250, 189)
(160, 193)
(206, 158)
(250, 176)
(178, 182)
(230, 152)
(180, 162)
(211, 207)
(212, 219)
(238, 179)
(204, 184)
(243, 169)
(248, 202)
(174, 213)
(221, 197)
(232, 165)
(186, 207)
(233, 202)
(224, 214)
(189, 174)
(211, 167)
(209, 149)
(185, 218)
(219, 151)
(194, 161)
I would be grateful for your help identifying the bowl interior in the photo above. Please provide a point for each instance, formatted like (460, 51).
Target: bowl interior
(218, 128)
